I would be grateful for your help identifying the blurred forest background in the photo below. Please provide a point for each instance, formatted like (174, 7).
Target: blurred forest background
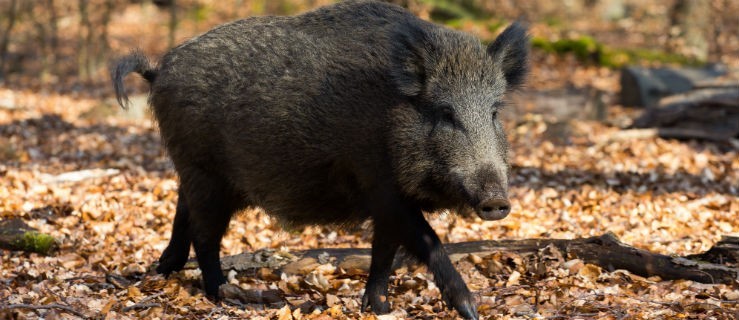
(95, 189)
(66, 45)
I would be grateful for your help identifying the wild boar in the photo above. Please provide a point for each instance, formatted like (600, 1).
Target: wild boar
(354, 111)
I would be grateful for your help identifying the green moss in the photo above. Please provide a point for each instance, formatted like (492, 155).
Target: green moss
(553, 22)
(258, 7)
(588, 50)
(660, 56)
(33, 241)
(494, 25)
(287, 8)
(446, 10)
(199, 13)
(614, 58)
(455, 23)
(583, 47)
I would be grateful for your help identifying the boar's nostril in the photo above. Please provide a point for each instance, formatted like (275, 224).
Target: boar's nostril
(494, 209)
(491, 209)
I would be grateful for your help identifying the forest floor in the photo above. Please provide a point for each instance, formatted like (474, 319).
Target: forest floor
(572, 177)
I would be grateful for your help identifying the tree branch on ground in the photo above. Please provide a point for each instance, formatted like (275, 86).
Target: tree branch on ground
(37, 307)
(605, 251)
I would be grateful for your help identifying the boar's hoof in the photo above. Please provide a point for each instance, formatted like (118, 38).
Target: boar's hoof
(377, 302)
(169, 263)
(462, 301)
(467, 311)
(494, 209)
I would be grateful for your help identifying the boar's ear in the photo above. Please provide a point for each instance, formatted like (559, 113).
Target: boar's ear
(409, 53)
(510, 52)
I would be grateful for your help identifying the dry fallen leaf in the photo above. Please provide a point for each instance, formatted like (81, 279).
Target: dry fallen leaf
(98, 180)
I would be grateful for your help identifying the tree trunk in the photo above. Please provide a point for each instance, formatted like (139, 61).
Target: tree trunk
(172, 23)
(53, 38)
(12, 14)
(103, 43)
(689, 28)
(85, 35)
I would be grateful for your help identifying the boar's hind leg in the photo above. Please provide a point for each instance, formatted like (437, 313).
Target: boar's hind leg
(384, 246)
(211, 202)
(420, 240)
(175, 256)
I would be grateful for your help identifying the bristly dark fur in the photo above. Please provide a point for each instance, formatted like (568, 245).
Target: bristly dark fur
(353, 111)
(134, 62)
(516, 39)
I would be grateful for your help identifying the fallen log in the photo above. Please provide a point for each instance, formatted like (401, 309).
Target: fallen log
(644, 87)
(684, 103)
(725, 251)
(717, 265)
(706, 114)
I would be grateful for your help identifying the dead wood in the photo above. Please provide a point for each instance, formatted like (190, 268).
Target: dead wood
(725, 251)
(684, 103)
(717, 265)
(644, 87)
(141, 306)
(233, 293)
(706, 114)
(37, 307)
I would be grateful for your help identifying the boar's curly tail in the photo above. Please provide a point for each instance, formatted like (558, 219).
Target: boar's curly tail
(134, 62)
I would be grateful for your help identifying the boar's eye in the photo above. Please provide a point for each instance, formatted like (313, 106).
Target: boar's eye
(495, 115)
(446, 114)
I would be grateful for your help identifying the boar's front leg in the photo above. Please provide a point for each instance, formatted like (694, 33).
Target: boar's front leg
(421, 241)
(402, 224)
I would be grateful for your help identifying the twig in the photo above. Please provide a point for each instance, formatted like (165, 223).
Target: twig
(84, 278)
(143, 303)
(503, 290)
(574, 315)
(44, 306)
(139, 306)
(156, 295)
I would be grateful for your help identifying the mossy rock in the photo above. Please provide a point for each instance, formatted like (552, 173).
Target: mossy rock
(18, 236)
(32, 241)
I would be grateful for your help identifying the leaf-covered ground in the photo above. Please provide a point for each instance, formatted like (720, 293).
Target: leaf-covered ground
(572, 177)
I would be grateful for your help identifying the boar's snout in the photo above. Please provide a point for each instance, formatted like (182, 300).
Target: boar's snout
(494, 208)
(486, 191)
